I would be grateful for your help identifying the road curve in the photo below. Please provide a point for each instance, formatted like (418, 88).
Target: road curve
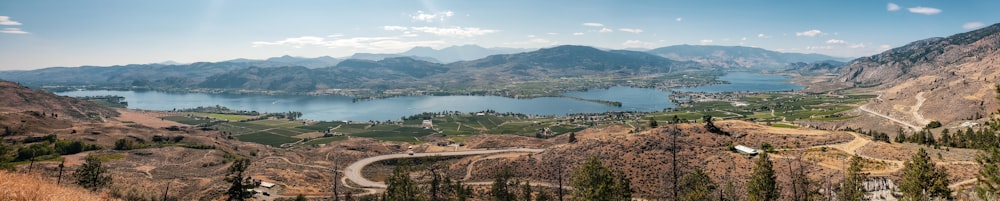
(911, 126)
(353, 171)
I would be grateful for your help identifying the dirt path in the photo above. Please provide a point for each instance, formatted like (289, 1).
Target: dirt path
(298, 164)
(911, 126)
(353, 171)
(151, 119)
(915, 110)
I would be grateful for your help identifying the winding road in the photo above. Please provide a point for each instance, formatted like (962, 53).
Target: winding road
(353, 171)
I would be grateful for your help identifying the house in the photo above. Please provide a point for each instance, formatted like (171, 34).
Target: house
(427, 124)
(266, 184)
(746, 150)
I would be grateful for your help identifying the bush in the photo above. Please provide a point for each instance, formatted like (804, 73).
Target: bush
(933, 124)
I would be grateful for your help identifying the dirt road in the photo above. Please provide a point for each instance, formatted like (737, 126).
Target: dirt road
(353, 171)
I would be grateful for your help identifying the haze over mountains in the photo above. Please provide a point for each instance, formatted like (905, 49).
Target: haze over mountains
(463, 63)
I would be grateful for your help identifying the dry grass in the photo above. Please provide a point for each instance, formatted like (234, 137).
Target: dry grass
(18, 186)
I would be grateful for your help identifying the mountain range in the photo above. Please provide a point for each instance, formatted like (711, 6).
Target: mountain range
(468, 63)
(945, 79)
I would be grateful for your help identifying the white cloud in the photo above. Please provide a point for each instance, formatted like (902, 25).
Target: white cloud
(763, 36)
(819, 47)
(369, 44)
(578, 34)
(924, 10)
(810, 33)
(705, 41)
(637, 44)
(631, 30)
(884, 47)
(13, 31)
(552, 33)
(857, 46)
(593, 24)
(431, 17)
(892, 7)
(605, 30)
(835, 41)
(5, 20)
(743, 39)
(972, 25)
(455, 31)
(335, 35)
(679, 19)
(394, 28)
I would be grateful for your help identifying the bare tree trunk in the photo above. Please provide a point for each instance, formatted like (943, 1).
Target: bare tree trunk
(336, 177)
(165, 191)
(61, 165)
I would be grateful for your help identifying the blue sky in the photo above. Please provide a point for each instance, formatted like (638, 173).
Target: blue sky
(46, 33)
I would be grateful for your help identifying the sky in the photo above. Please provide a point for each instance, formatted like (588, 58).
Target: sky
(48, 33)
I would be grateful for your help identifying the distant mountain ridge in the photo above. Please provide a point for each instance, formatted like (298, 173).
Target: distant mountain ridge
(460, 53)
(736, 56)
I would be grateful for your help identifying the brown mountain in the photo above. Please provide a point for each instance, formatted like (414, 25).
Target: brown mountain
(946, 79)
(18, 99)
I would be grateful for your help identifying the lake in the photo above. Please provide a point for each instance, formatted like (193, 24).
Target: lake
(334, 107)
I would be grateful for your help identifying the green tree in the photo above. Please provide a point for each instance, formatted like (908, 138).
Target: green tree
(853, 187)
(696, 185)
(763, 185)
(240, 185)
(594, 182)
(503, 187)
(988, 187)
(543, 196)
(922, 180)
(301, 197)
(92, 175)
(526, 191)
(400, 187)
(652, 123)
(572, 137)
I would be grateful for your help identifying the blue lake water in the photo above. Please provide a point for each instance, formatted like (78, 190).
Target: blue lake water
(330, 108)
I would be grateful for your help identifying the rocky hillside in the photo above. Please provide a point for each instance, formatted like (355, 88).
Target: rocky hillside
(947, 79)
(18, 99)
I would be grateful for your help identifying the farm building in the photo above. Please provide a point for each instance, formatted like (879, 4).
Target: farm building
(746, 150)
(266, 184)
(427, 124)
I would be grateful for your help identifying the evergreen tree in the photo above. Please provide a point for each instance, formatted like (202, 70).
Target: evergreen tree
(763, 185)
(301, 197)
(922, 180)
(526, 191)
(988, 187)
(652, 123)
(503, 187)
(946, 138)
(240, 185)
(594, 182)
(572, 137)
(853, 187)
(92, 175)
(400, 187)
(543, 196)
(696, 185)
(900, 136)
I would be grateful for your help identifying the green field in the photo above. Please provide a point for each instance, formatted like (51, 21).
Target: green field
(266, 138)
(222, 116)
(185, 120)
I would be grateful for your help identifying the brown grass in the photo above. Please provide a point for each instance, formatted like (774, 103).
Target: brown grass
(17, 186)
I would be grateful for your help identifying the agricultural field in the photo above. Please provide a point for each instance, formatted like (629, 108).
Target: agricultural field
(773, 107)
(185, 120)
(228, 117)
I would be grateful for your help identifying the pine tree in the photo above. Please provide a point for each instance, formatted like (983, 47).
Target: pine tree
(594, 182)
(696, 185)
(240, 185)
(92, 175)
(503, 187)
(572, 137)
(400, 187)
(988, 187)
(543, 196)
(853, 187)
(763, 185)
(652, 123)
(922, 180)
(526, 191)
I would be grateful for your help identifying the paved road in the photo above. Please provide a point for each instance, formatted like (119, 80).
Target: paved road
(353, 171)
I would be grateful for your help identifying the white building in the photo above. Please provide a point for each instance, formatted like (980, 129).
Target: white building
(746, 150)
(266, 184)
